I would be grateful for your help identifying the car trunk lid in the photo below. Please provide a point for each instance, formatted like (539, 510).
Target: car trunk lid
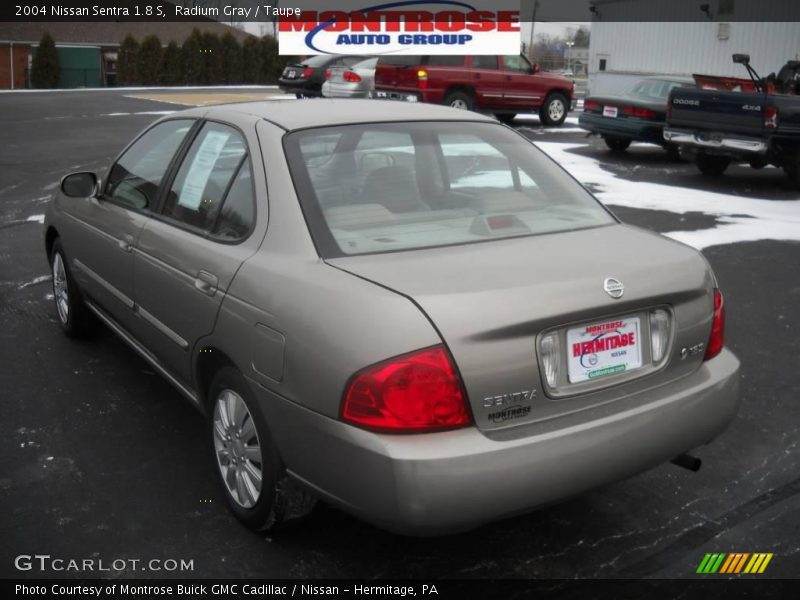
(490, 302)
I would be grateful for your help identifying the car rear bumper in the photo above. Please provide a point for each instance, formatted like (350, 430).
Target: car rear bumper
(336, 90)
(299, 86)
(724, 142)
(629, 128)
(445, 482)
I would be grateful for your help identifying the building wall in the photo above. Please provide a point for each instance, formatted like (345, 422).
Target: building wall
(20, 55)
(684, 48)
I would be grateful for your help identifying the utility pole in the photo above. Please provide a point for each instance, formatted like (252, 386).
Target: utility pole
(533, 22)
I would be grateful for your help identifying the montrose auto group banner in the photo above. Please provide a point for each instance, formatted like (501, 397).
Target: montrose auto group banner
(401, 27)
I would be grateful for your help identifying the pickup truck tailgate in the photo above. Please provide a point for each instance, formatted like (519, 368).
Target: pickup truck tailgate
(713, 110)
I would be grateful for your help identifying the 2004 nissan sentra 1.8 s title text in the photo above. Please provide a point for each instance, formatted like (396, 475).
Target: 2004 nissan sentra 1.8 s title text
(406, 310)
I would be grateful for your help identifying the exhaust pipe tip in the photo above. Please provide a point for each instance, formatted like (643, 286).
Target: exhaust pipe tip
(687, 461)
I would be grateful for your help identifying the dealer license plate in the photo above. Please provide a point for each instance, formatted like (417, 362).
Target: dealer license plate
(603, 349)
(610, 111)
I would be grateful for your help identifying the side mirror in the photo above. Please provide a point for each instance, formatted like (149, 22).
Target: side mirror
(79, 185)
(536, 68)
(742, 59)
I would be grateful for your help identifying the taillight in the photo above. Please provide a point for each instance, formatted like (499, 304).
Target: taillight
(771, 117)
(591, 105)
(422, 79)
(351, 76)
(549, 352)
(308, 72)
(421, 391)
(328, 74)
(716, 340)
(659, 334)
(636, 111)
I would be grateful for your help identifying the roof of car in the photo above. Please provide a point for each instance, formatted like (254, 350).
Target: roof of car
(319, 112)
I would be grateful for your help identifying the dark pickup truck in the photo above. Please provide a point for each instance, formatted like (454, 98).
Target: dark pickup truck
(761, 126)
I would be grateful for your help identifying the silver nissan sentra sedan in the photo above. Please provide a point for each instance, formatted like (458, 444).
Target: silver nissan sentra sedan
(406, 310)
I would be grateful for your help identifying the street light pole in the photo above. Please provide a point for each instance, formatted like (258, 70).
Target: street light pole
(533, 22)
(569, 44)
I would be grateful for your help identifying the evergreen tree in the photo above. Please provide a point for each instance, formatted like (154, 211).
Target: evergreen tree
(230, 58)
(271, 63)
(192, 58)
(46, 69)
(171, 65)
(212, 58)
(128, 62)
(149, 60)
(251, 60)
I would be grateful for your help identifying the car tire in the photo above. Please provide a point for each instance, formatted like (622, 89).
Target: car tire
(673, 152)
(75, 318)
(616, 144)
(506, 118)
(554, 110)
(711, 165)
(253, 479)
(792, 169)
(458, 99)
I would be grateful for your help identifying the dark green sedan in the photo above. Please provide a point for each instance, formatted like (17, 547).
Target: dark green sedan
(635, 115)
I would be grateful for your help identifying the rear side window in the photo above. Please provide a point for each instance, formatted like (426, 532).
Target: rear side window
(136, 176)
(400, 61)
(213, 189)
(446, 60)
(484, 62)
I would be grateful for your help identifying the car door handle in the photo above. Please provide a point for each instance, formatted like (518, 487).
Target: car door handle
(206, 282)
(126, 243)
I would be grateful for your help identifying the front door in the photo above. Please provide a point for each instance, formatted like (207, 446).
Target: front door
(522, 87)
(187, 255)
(110, 224)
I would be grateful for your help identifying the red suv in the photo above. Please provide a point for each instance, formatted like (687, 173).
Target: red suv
(503, 85)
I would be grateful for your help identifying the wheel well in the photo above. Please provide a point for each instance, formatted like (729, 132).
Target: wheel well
(209, 361)
(49, 239)
(459, 88)
(558, 91)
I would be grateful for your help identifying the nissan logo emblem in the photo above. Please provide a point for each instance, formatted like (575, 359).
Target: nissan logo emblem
(613, 287)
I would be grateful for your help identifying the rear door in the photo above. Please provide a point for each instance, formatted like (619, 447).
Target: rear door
(488, 80)
(108, 227)
(522, 88)
(187, 255)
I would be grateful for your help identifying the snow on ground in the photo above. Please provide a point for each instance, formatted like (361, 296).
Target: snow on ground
(740, 219)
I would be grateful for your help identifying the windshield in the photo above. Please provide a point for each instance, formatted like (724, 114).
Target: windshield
(400, 186)
(653, 89)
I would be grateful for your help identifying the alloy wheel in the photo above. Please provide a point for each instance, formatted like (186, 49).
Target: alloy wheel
(60, 288)
(237, 448)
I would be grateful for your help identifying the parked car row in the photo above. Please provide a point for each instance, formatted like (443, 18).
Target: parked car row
(502, 85)
(712, 120)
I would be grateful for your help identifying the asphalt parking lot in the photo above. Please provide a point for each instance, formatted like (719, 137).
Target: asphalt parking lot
(100, 457)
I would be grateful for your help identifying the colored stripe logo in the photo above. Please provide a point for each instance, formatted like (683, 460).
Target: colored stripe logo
(734, 563)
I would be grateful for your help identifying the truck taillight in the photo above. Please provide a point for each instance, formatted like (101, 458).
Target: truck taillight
(351, 76)
(717, 338)
(422, 79)
(771, 117)
(416, 392)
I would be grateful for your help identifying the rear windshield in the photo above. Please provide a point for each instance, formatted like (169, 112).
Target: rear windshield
(400, 186)
(654, 89)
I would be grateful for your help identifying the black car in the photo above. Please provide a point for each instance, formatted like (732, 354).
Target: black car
(305, 79)
(635, 115)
